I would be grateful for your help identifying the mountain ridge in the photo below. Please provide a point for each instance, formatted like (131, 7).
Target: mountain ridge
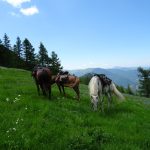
(122, 76)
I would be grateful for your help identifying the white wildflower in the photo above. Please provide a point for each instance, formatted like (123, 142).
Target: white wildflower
(14, 129)
(7, 99)
(19, 95)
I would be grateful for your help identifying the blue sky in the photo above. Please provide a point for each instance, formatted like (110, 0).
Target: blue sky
(84, 33)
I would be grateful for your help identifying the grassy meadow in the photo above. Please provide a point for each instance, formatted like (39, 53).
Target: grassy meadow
(29, 121)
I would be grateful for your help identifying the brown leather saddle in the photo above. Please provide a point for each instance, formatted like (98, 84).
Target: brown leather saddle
(104, 79)
(63, 76)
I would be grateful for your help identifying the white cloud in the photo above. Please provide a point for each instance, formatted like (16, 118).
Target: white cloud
(29, 11)
(16, 3)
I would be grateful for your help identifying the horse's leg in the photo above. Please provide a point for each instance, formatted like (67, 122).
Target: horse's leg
(38, 89)
(37, 85)
(43, 89)
(49, 87)
(109, 99)
(76, 89)
(101, 102)
(58, 85)
(63, 90)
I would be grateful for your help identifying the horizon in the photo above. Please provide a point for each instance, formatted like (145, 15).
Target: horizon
(115, 67)
(84, 34)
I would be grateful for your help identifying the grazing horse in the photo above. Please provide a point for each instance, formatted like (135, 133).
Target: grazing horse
(42, 77)
(66, 80)
(97, 88)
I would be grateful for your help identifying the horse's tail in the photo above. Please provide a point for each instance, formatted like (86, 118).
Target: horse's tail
(116, 92)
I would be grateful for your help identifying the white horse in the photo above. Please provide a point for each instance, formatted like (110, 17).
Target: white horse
(96, 91)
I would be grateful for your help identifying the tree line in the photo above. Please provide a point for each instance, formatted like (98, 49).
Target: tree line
(22, 55)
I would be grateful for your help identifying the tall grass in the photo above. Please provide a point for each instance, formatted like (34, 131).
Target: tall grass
(29, 121)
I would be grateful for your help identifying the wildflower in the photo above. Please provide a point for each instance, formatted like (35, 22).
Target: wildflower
(17, 99)
(7, 99)
(26, 108)
(19, 95)
(7, 131)
(14, 129)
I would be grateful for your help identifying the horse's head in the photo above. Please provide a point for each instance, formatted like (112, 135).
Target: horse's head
(94, 102)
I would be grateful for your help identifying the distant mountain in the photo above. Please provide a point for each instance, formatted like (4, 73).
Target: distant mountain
(121, 76)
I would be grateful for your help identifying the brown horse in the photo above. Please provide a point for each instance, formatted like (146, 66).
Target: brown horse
(68, 81)
(42, 77)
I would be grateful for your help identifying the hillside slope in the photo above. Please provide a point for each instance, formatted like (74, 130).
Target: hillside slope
(29, 121)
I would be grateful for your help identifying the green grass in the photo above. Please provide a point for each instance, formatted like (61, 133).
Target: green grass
(30, 121)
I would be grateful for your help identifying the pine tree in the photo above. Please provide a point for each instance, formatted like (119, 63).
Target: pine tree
(55, 64)
(29, 54)
(43, 55)
(18, 47)
(144, 82)
(15, 49)
(1, 42)
(6, 41)
(129, 90)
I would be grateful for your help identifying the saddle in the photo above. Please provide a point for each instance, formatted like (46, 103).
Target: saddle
(104, 79)
(63, 76)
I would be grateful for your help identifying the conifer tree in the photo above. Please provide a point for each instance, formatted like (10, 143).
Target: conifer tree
(15, 49)
(55, 63)
(6, 42)
(144, 81)
(29, 54)
(129, 90)
(43, 55)
(18, 47)
(1, 42)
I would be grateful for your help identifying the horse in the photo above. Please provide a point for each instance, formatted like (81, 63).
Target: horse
(97, 89)
(66, 80)
(42, 77)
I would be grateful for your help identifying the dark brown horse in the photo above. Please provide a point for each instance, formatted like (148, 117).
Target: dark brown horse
(68, 81)
(42, 77)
